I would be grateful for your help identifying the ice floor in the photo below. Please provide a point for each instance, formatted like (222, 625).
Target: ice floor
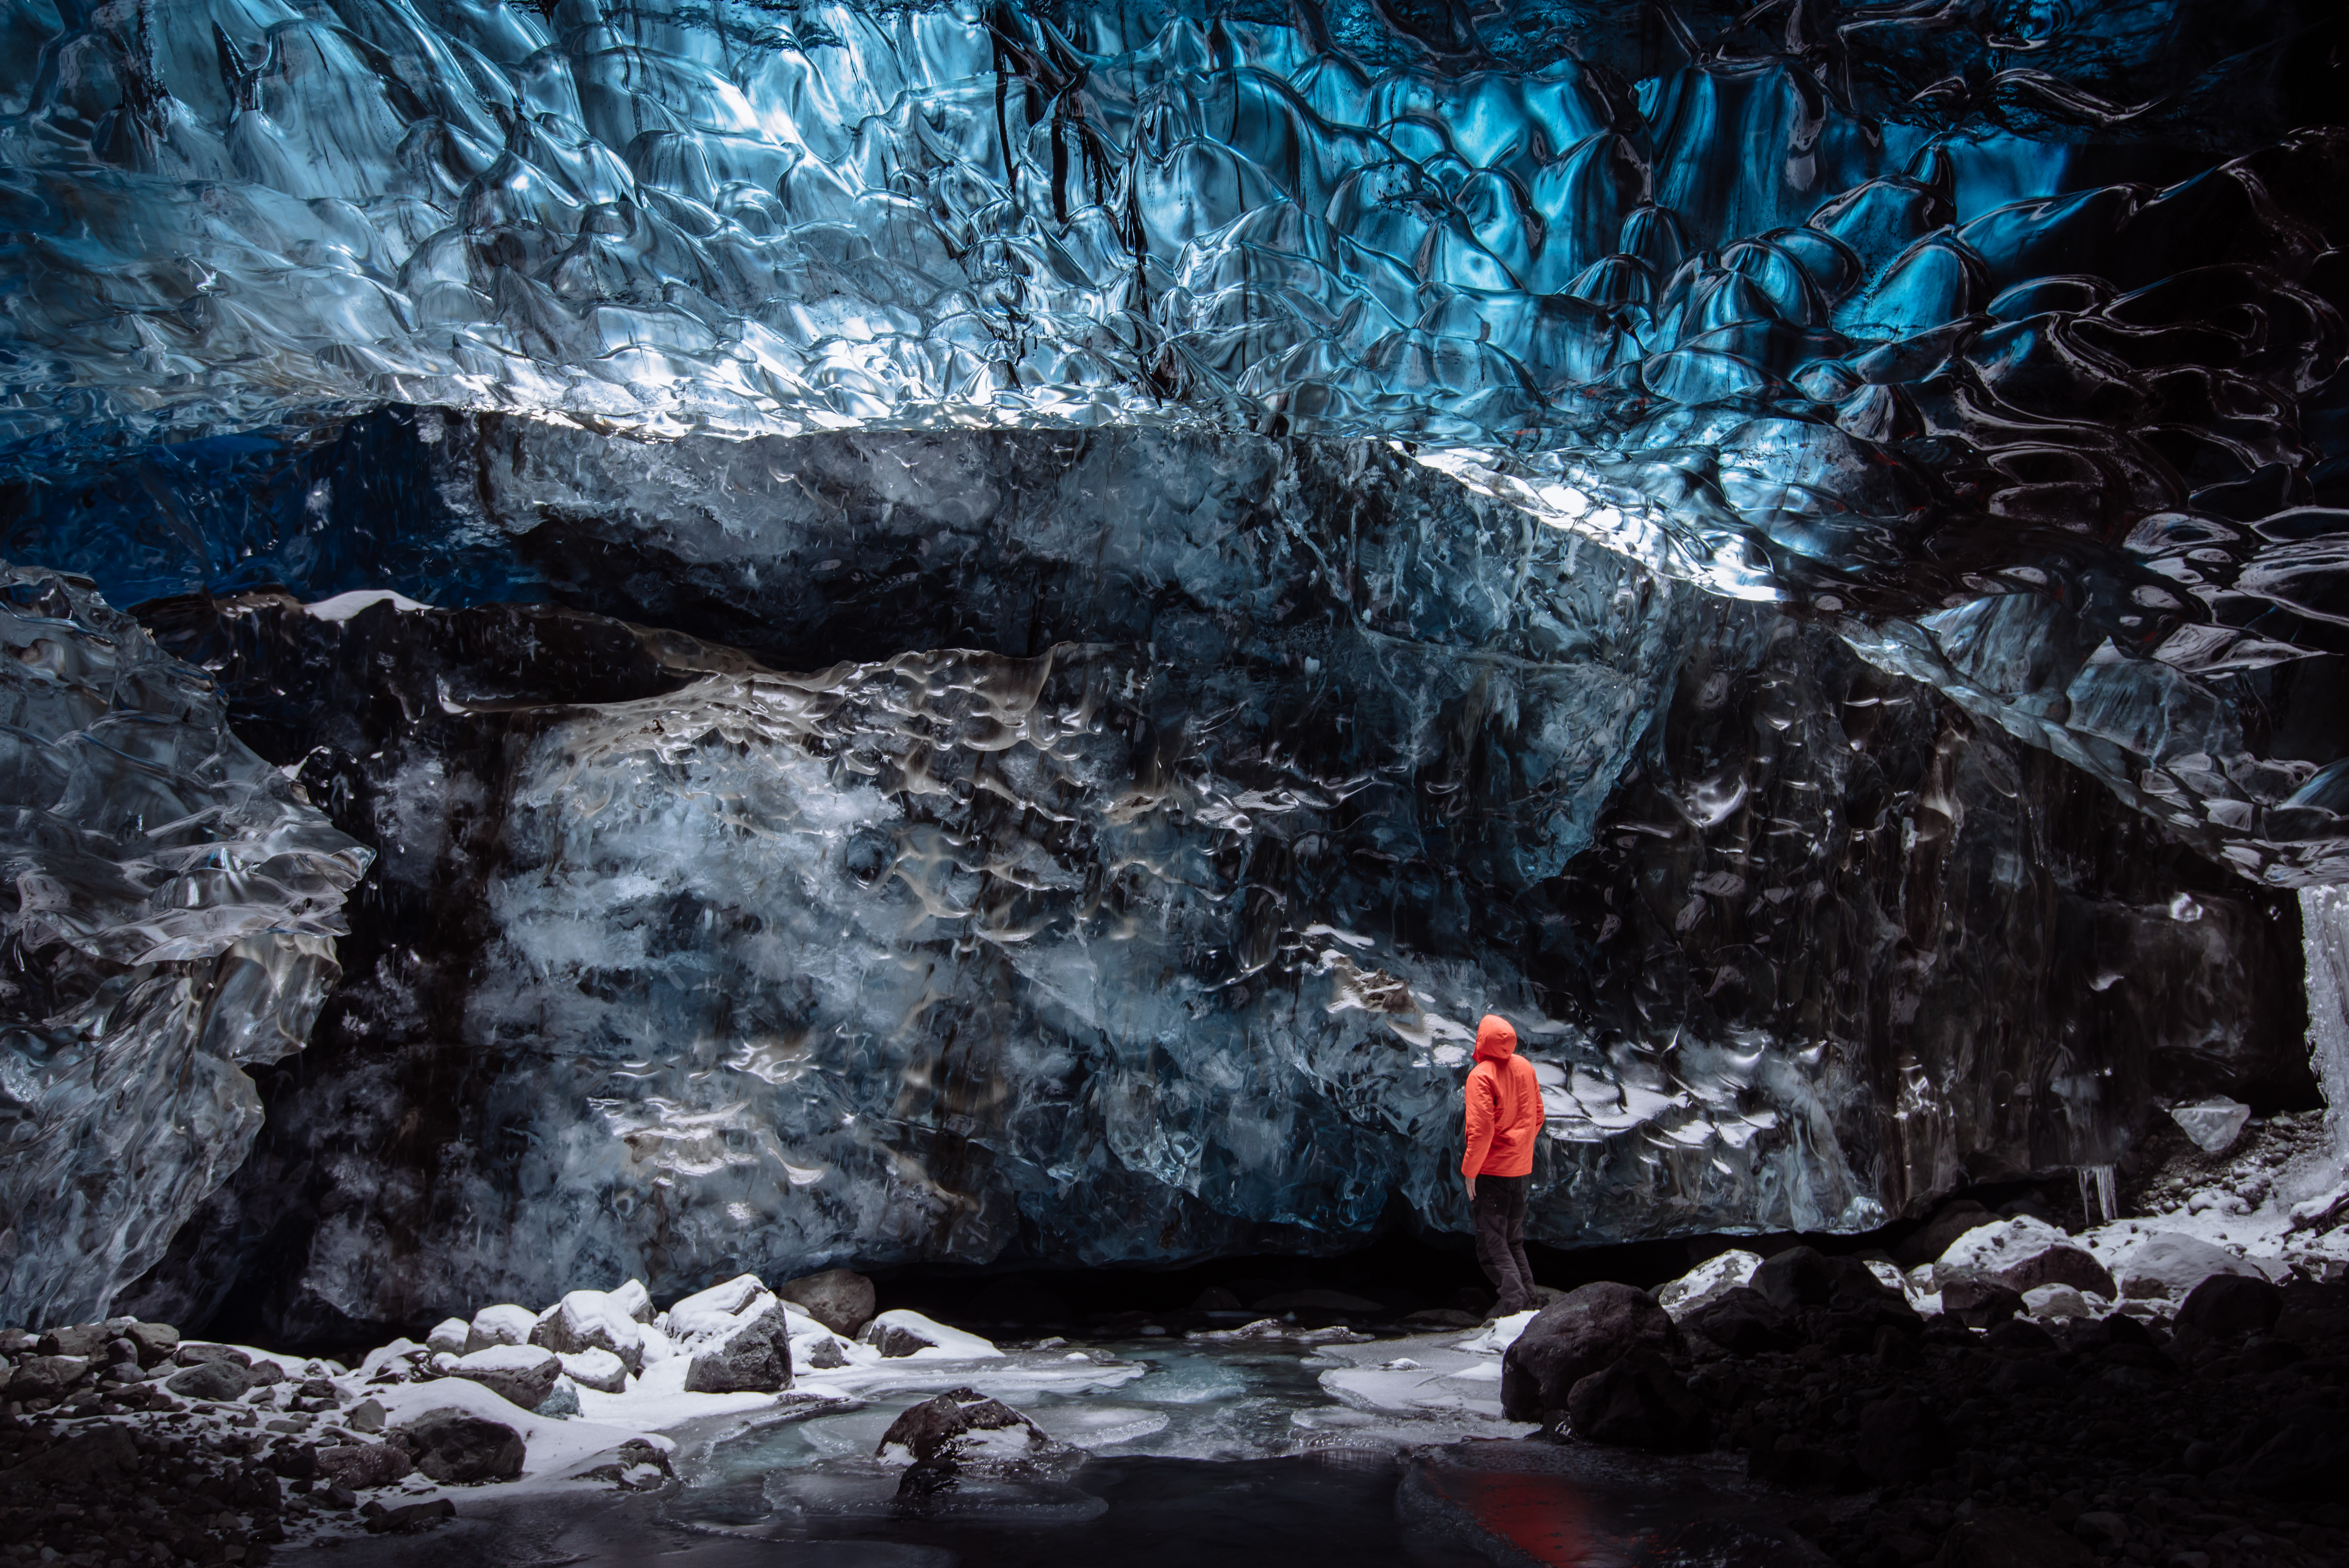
(1231, 1454)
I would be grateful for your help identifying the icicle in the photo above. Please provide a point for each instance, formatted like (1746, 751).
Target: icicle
(2324, 945)
(2099, 1194)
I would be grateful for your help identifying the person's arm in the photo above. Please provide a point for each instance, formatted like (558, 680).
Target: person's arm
(1480, 1107)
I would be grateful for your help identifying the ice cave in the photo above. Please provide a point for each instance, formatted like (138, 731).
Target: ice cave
(806, 783)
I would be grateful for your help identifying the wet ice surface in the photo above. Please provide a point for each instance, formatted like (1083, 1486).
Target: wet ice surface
(1231, 1454)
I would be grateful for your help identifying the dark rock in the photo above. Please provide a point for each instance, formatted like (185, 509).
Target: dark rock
(1902, 1440)
(197, 1355)
(408, 1518)
(2016, 1337)
(1980, 1302)
(456, 1447)
(521, 1374)
(839, 1299)
(295, 1461)
(1742, 1322)
(2227, 1307)
(156, 1342)
(220, 1379)
(2008, 1538)
(900, 1339)
(83, 1339)
(940, 1436)
(46, 1377)
(362, 1466)
(826, 1355)
(1585, 1331)
(1637, 1402)
(753, 1357)
(1804, 1277)
(100, 1455)
(2073, 1266)
(1896, 1350)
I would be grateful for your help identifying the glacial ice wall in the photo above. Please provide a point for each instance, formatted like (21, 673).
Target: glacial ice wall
(169, 915)
(1644, 514)
(1159, 932)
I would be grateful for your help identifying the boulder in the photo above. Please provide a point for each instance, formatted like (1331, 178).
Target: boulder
(367, 1415)
(901, 1332)
(220, 1379)
(825, 1354)
(2056, 1301)
(2167, 1266)
(1804, 1277)
(963, 1432)
(634, 1300)
(155, 1342)
(47, 1377)
(503, 1325)
(195, 1354)
(83, 1339)
(449, 1337)
(2227, 1307)
(598, 1370)
(1585, 1331)
(593, 1320)
(715, 1310)
(521, 1374)
(102, 1453)
(1707, 1283)
(1902, 1440)
(456, 1447)
(841, 1299)
(2010, 1538)
(1639, 1402)
(1980, 1303)
(752, 1354)
(359, 1466)
(2019, 1336)
(1744, 1323)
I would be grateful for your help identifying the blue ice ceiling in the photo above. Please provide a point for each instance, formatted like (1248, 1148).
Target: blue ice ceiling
(1982, 328)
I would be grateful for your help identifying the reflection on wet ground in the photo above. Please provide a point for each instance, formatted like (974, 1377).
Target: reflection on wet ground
(1233, 1456)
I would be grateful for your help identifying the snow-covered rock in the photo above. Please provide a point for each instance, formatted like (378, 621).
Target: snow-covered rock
(449, 1335)
(902, 1333)
(2022, 1253)
(2056, 1301)
(1707, 1283)
(594, 1320)
(503, 1325)
(595, 1368)
(2165, 1266)
(521, 1375)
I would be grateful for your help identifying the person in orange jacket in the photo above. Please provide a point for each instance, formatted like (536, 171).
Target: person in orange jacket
(1504, 1113)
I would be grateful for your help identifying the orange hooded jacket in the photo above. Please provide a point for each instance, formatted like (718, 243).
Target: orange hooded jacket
(1505, 1105)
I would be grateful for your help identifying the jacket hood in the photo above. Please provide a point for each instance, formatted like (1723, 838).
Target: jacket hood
(1496, 1040)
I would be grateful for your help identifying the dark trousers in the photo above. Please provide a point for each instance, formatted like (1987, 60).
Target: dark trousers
(1500, 1211)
